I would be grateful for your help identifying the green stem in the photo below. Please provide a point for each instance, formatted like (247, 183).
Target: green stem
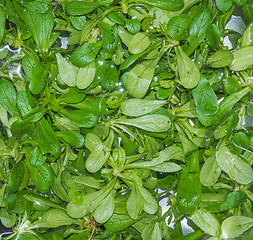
(192, 236)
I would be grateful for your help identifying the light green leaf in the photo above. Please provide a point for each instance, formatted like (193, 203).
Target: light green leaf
(152, 231)
(150, 203)
(167, 167)
(90, 201)
(151, 123)
(86, 75)
(136, 107)
(207, 222)
(92, 140)
(234, 226)
(135, 202)
(8, 96)
(105, 210)
(67, 71)
(234, 166)
(210, 171)
(96, 159)
(55, 218)
(138, 43)
(139, 79)
(8, 220)
(188, 71)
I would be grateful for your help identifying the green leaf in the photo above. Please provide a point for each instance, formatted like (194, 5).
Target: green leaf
(23, 103)
(8, 220)
(81, 118)
(110, 77)
(207, 222)
(67, 72)
(8, 96)
(47, 140)
(96, 159)
(189, 192)
(2, 22)
(188, 71)
(150, 203)
(21, 128)
(85, 54)
(178, 27)
(117, 17)
(135, 202)
(41, 26)
(224, 5)
(37, 159)
(92, 140)
(210, 171)
(151, 123)
(242, 59)
(139, 43)
(72, 96)
(221, 58)
(173, 5)
(42, 177)
(17, 177)
(234, 226)
(54, 218)
(91, 202)
(79, 182)
(70, 137)
(119, 222)
(232, 200)
(152, 231)
(234, 166)
(105, 210)
(205, 98)
(86, 75)
(198, 28)
(136, 107)
(213, 36)
(39, 6)
(34, 114)
(78, 21)
(133, 25)
(81, 8)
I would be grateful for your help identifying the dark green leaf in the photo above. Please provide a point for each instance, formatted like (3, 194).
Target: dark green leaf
(178, 27)
(8, 96)
(85, 54)
(205, 98)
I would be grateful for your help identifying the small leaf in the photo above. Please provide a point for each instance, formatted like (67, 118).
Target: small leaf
(187, 69)
(135, 203)
(234, 226)
(221, 58)
(8, 96)
(85, 54)
(139, 43)
(151, 123)
(152, 231)
(234, 166)
(105, 210)
(207, 222)
(37, 159)
(96, 159)
(86, 75)
(67, 71)
(205, 98)
(75, 139)
(136, 107)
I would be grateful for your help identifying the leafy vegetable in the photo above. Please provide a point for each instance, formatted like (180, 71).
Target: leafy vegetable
(125, 119)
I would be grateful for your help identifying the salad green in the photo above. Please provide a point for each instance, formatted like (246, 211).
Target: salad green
(108, 107)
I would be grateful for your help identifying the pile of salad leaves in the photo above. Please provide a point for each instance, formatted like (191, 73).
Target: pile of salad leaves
(108, 107)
